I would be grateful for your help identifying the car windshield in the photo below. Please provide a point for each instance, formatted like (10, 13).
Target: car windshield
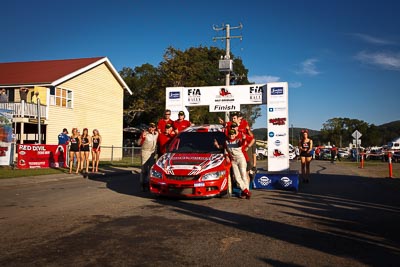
(197, 142)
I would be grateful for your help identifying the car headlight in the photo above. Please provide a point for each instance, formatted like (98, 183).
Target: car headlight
(155, 174)
(213, 175)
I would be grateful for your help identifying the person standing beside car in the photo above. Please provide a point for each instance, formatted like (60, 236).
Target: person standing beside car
(234, 153)
(164, 138)
(148, 142)
(305, 146)
(250, 149)
(181, 123)
(164, 121)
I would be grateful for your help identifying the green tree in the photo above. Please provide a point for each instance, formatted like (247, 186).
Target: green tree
(339, 131)
(147, 100)
(196, 66)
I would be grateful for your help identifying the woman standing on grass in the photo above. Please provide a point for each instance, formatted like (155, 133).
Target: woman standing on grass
(305, 145)
(96, 142)
(75, 143)
(85, 148)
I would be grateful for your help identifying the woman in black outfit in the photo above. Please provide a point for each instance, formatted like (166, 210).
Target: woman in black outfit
(305, 146)
(85, 149)
(75, 143)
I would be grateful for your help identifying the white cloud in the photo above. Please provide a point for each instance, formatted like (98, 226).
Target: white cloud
(371, 39)
(263, 79)
(295, 84)
(308, 67)
(383, 60)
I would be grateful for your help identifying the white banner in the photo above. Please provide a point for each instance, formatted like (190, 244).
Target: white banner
(229, 98)
(218, 98)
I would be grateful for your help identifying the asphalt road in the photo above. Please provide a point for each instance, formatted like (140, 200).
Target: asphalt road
(342, 218)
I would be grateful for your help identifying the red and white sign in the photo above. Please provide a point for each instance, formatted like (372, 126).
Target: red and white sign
(41, 156)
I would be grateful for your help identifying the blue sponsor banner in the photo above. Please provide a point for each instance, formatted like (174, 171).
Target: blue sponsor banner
(276, 90)
(174, 95)
(282, 181)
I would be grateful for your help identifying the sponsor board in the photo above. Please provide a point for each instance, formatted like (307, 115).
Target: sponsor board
(41, 156)
(283, 181)
(277, 103)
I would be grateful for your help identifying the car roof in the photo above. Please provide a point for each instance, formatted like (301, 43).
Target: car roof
(205, 128)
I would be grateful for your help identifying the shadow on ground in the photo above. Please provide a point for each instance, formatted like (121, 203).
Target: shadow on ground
(350, 216)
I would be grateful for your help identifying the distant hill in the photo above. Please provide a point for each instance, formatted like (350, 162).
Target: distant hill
(387, 131)
(391, 126)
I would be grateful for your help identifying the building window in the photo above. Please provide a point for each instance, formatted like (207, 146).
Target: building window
(60, 97)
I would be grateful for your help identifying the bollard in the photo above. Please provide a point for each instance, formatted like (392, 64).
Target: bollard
(362, 161)
(390, 165)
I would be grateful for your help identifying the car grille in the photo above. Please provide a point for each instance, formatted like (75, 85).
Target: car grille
(181, 191)
(182, 178)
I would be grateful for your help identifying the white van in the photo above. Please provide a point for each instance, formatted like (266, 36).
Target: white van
(394, 145)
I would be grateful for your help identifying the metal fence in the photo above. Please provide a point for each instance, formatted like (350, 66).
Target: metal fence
(116, 155)
(125, 154)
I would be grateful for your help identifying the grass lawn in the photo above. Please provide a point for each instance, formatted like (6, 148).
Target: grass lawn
(8, 172)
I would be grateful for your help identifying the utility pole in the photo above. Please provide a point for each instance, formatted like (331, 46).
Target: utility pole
(225, 65)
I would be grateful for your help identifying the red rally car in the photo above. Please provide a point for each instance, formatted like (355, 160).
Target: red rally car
(193, 166)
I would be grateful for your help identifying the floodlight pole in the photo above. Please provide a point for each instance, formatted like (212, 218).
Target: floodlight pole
(227, 56)
(228, 37)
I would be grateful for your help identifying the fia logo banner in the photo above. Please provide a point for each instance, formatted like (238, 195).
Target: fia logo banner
(194, 95)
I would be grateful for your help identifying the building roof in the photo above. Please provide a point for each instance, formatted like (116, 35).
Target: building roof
(50, 72)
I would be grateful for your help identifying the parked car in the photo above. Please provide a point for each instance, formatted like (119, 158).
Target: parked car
(375, 154)
(325, 154)
(192, 167)
(262, 153)
(292, 152)
(396, 156)
(343, 153)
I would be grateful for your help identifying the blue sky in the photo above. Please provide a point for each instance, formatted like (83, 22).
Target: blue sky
(340, 58)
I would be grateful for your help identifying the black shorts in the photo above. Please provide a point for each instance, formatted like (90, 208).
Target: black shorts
(85, 148)
(305, 154)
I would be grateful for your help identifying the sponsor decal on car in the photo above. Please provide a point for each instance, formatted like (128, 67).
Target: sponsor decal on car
(199, 184)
